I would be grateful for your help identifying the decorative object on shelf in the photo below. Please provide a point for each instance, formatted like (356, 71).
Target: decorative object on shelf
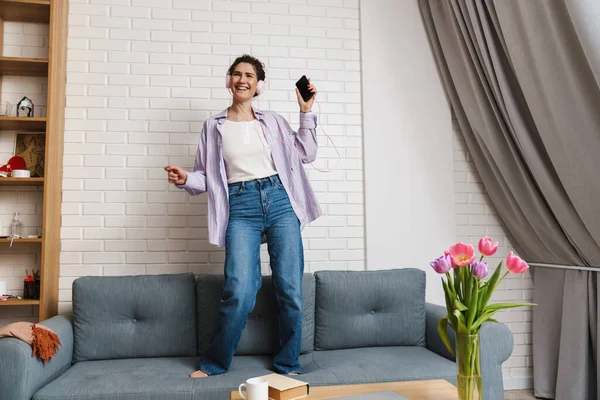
(16, 227)
(31, 285)
(467, 297)
(6, 109)
(21, 173)
(31, 146)
(43, 340)
(12, 164)
(25, 106)
(4, 230)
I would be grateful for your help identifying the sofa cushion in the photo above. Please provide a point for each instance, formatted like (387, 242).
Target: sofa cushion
(155, 379)
(139, 378)
(384, 364)
(369, 308)
(134, 316)
(259, 335)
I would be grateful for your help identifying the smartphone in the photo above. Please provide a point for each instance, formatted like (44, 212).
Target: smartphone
(302, 86)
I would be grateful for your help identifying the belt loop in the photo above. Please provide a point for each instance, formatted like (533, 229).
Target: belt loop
(271, 180)
(243, 186)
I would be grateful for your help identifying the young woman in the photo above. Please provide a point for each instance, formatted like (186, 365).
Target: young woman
(250, 164)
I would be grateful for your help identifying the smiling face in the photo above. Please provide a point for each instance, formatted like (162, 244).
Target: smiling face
(243, 82)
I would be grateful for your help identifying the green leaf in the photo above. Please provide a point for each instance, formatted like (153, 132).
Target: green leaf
(443, 332)
(473, 310)
(501, 306)
(461, 323)
(491, 285)
(459, 305)
(450, 283)
(449, 301)
(468, 283)
(482, 295)
(456, 273)
(486, 316)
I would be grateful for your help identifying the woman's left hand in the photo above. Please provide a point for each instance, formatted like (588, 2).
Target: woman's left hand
(306, 106)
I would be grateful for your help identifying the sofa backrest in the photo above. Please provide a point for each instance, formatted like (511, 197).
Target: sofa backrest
(369, 308)
(259, 335)
(134, 316)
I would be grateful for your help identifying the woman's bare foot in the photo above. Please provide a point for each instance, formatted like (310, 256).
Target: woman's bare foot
(198, 374)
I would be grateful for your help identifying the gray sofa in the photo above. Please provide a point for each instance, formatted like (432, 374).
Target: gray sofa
(138, 338)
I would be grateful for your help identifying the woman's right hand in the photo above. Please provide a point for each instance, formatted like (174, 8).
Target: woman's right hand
(177, 175)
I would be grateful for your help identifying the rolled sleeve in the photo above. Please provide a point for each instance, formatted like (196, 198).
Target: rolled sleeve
(195, 183)
(308, 120)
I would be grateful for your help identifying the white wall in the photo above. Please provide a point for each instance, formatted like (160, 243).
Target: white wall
(423, 192)
(409, 183)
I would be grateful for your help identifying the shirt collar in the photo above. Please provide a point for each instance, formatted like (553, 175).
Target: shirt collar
(223, 114)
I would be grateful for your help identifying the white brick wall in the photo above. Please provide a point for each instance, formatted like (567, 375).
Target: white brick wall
(476, 217)
(142, 77)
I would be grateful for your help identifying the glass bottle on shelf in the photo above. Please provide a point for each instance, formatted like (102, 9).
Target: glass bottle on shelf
(16, 227)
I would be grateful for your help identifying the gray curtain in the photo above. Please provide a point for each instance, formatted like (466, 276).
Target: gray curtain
(525, 92)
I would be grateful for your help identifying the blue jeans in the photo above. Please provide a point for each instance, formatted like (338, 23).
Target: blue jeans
(257, 208)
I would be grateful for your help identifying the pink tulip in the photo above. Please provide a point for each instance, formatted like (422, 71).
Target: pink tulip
(515, 264)
(487, 247)
(462, 254)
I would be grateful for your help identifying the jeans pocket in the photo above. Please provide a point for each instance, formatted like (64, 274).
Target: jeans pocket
(236, 190)
(277, 184)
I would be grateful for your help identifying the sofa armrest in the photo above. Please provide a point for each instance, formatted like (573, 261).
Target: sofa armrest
(496, 341)
(22, 375)
(433, 314)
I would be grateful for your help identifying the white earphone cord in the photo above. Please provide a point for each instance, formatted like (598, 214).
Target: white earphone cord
(294, 147)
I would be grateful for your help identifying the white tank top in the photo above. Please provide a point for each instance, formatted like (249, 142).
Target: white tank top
(246, 152)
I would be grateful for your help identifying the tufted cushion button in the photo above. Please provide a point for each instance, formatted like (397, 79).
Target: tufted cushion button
(372, 312)
(134, 321)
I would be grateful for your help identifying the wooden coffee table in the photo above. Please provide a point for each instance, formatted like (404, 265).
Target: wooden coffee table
(414, 390)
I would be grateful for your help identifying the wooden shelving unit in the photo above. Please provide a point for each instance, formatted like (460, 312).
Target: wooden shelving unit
(16, 302)
(23, 66)
(24, 240)
(26, 10)
(55, 14)
(25, 123)
(21, 181)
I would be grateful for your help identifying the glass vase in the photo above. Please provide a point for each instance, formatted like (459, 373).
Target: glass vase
(469, 370)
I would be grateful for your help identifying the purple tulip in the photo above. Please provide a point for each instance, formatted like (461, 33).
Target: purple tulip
(480, 269)
(441, 265)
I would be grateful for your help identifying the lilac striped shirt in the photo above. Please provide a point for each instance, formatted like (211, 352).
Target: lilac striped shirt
(289, 151)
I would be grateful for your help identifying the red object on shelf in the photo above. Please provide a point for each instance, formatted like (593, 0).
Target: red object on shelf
(15, 162)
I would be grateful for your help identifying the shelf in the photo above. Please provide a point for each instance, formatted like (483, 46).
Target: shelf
(25, 240)
(23, 66)
(25, 10)
(21, 181)
(22, 123)
(23, 302)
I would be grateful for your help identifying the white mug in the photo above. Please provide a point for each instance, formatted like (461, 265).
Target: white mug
(256, 388)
